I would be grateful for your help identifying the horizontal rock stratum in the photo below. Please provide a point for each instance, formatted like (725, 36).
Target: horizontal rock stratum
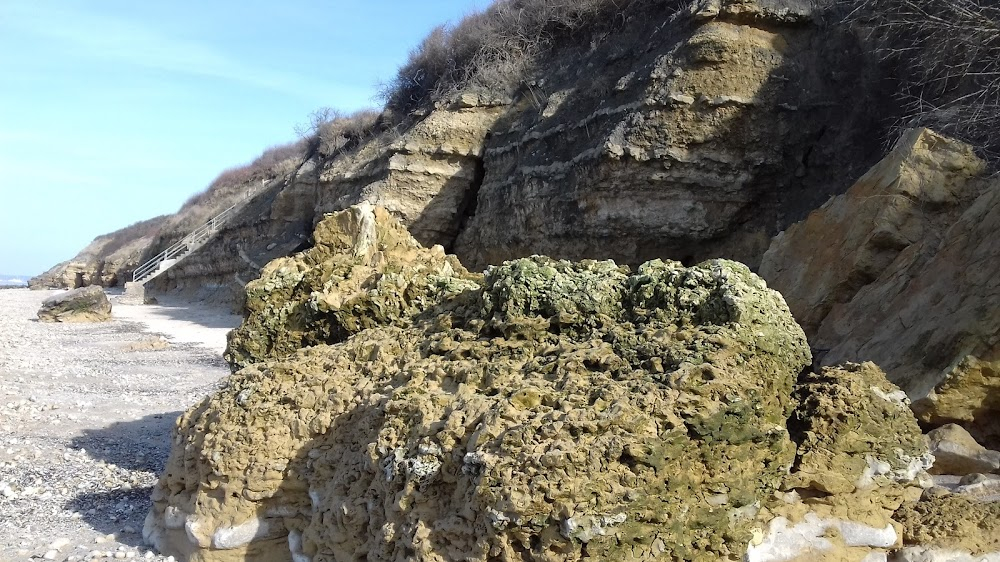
(393, 406)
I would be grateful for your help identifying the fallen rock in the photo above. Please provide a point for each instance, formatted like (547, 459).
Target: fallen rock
(549, 411)
(957, 452)
(86, 304)
(952, 523)
(849, 242)
(901, 271)
(968, 396)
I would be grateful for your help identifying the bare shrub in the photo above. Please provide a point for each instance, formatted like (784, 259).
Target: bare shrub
(492, 50)
(329, 131)
(274, 162)
(118, 239)
(946, 55)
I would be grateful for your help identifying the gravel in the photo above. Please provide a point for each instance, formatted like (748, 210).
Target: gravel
(86, 414)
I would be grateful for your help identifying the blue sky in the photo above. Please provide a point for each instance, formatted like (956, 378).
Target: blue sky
(117, 111)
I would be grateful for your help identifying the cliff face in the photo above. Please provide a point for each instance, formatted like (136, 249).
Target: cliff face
(424, 175)
(107, 261)
(700, 137)
(690, 136)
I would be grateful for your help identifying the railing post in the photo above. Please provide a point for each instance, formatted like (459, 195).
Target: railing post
(186, 245)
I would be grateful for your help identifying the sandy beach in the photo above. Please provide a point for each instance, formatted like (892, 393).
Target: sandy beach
(86, 412)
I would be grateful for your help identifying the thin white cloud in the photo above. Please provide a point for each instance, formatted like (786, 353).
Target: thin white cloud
(108, 38)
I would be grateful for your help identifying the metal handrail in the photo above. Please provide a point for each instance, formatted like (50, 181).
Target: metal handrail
(188, 244)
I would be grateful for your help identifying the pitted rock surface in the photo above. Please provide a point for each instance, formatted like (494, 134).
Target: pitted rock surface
(855, 431)
(860, 457)
(552, 411)
(952, 522)
(365, 270)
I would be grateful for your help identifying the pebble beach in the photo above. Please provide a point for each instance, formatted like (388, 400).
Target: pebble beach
(86, 414)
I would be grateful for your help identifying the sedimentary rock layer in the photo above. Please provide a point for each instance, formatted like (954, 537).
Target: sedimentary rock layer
(688, 137)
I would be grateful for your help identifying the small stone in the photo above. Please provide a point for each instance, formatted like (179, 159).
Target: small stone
(935, 492)
(973, 479)
(51, 555)
(681, 99)
(58, 544)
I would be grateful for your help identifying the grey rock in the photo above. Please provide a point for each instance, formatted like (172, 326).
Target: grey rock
(86, 304)
(957, 452)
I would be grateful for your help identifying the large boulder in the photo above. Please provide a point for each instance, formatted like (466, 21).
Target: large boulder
(86, 304)
(821, 263)
(548, 411)
(902, 271)
(957, 452)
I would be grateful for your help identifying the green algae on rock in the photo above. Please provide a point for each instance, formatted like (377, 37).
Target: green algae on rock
(364, 270)
(855, 431)
(551, 411)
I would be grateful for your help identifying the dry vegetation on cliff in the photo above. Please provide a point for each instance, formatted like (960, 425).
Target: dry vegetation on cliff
(327, 133)
(492, 50)
(273, 162)
(331, 132)
(946, 56)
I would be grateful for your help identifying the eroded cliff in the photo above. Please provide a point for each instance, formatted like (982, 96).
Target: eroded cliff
(682, 135)
(108, 261)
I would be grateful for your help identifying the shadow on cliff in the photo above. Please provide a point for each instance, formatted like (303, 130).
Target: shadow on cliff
(812, 125)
